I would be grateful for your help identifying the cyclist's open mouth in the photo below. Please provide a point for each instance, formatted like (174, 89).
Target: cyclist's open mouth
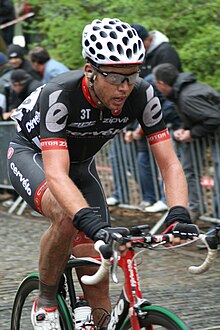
(119, 101)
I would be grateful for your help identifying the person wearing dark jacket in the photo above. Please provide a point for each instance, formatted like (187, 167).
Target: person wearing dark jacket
(198, 106)
(17, 60)
(7, 14)
(22, 85)
(5, 72)
(158, 50)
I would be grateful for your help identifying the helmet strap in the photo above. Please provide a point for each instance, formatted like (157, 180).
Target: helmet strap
(91, 86)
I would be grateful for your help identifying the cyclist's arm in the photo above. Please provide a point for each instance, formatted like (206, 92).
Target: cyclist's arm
(172, 173)
(56, 165)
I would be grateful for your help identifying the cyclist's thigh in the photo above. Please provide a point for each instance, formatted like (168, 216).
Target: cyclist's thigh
(85, 176)
(26, 173)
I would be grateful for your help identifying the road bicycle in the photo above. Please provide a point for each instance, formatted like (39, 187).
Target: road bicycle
(131, 310)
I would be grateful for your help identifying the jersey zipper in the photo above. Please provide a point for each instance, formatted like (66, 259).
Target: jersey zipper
(101, 115)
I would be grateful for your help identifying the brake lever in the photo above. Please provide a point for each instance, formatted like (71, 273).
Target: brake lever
(115, 247)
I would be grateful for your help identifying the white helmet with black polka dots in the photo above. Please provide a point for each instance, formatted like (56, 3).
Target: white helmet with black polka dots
(111, 41)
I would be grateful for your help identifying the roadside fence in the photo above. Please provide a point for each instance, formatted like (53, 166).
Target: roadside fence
(117, 167)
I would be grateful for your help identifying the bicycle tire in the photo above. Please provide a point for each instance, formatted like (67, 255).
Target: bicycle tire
(157, 318)
(21, 311)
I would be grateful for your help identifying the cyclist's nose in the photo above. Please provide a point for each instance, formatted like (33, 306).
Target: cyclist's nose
(124, 85)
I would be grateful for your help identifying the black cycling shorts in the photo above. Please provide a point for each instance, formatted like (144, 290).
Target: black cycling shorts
(26, 173)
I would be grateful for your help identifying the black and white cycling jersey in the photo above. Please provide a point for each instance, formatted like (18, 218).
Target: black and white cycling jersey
(62, 112)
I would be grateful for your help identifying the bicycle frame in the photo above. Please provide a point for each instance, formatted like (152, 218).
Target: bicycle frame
(131, 297)
(130, 301)
(131, 311)
(130, 305)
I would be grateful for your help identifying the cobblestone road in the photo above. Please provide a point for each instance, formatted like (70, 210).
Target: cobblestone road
(164, 277)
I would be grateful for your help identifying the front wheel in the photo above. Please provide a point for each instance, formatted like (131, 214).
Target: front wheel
(158, 318)
(25, 296)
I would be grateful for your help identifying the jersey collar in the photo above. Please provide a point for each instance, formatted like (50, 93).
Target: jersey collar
(86, 93)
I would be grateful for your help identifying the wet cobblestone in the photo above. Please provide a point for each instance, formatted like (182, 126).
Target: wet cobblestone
(164, 277)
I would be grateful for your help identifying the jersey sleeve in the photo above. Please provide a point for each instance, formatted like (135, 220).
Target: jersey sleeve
(54, 116)
(150, 113)
(53, 112)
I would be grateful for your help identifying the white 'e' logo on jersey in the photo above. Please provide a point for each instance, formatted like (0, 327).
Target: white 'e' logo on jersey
(152, 113)
(56, 116)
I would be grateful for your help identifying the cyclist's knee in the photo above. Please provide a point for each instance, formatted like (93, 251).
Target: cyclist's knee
(52, 210)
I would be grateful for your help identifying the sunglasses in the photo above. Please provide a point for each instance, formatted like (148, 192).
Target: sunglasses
(118, 78)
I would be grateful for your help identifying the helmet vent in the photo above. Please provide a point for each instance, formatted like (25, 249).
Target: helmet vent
(93, 37)
(107, 27)
(129, 53)
(113, 35)
(120, 49)
(119, 28)
(125, 40)
(92, 50)
(139, 44)
(124, 26)
(130, 34)
(113, 22)
(100, 56)
(103, 34)
(135, 48)
(99, 45)
(114, 58)
(111, 46)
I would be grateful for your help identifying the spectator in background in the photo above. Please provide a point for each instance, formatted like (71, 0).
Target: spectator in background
(158, 50)
(22, 85)
(7, 14)
(2, 105)
(199, 108)
(43, 63)
(17, 60)
(29, 29)
(5, 72)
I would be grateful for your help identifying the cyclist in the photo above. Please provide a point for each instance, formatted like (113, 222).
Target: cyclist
(61, 127)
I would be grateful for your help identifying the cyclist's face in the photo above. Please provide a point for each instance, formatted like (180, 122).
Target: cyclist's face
(113, 85)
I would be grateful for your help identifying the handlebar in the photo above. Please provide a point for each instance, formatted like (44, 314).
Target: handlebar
(142, 240)
(211, 243)
(103, 269)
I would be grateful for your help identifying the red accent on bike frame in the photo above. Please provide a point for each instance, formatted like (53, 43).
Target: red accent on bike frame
(150, 327)
(131, 284)
(81, 238)
(169, 228)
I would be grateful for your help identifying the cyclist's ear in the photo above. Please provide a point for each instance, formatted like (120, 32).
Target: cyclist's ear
(88, 74)
(88, 71)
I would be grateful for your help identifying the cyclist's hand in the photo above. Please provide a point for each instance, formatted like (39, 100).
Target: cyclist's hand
(178, 214)
(179, 218)
(184, 231)
(105, 234)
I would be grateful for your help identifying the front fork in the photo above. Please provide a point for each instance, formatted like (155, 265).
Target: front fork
(130, 302)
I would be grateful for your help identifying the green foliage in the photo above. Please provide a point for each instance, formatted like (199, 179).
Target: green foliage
(193, 27)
